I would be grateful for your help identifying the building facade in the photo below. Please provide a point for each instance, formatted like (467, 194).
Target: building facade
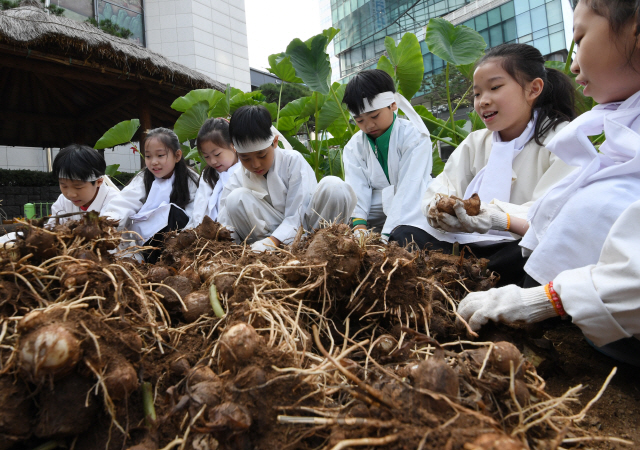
(545, 24)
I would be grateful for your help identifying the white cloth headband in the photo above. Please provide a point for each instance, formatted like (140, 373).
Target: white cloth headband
(384, 99)
(67, 176)
(256, 146)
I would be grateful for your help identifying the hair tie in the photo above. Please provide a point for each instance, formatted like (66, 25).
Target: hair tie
(223, 118)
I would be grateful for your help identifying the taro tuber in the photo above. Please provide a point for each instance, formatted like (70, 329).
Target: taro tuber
(238, 344)
(445, 204)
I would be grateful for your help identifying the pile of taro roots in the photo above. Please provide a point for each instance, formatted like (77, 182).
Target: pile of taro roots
(329, 343)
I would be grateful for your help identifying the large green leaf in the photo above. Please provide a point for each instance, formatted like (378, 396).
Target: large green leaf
(438, 164)
(431, 121)
(311, 62)
(183, 103)
(220, 106)
(332, 111)
(118, 134)
(190, 122)
(296, 144)
(467, 69)
(456, 45)
(112, 170)
(407, 62)
(316, 100)
(280, 66)
(476, 121)
(385, 64)
(295, 107)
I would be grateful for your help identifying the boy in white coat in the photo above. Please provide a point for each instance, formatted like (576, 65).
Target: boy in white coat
(85, 187)
(388, 163)
(275, 192)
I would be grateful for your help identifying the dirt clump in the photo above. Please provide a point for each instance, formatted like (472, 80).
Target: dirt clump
(445, 204)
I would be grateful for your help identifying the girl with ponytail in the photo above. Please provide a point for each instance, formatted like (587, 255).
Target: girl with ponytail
(523, 105)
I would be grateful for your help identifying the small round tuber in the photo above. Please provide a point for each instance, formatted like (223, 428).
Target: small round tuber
(238, 344)
(198, 304)
(445, 204)
(49, 350)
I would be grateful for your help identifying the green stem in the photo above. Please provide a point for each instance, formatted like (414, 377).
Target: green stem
(567, 65)
(279, 100)
(438, 138)
(215, 302)
(462, 98)
(453, 124)
(147, 404)
(316, 163)
(344, 116)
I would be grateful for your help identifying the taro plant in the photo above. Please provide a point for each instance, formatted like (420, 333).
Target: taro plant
(119, 134)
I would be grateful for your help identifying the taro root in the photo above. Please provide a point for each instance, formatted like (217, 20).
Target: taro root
(503, 354)
(250, 376)
(39, 242)
(201, 373)
(157, 274)
(230, 416)
(206, 270)
(75, 274)
(209, 229)
(494, 441)
(191, 274)
(238, 344)
(120, 379)
(206, 393)
(49, 350)
(179, 284)
(66, 409)
(198, 304)
(436, 376)
(445, 204)
(185, 239)
(180, 366)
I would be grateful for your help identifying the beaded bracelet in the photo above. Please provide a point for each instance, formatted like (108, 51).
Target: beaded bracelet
(508, 222)
(554, 298)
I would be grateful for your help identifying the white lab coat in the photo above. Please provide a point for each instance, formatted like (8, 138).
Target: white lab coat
(207, 200)
(410, 163)
(131, 199)
(271, 205)
(603, 299)
(534, 170)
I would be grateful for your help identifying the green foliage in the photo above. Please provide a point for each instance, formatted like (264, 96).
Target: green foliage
(406, 61)
(436, 90)
(311, 62)
(456, 45)
(112, 170)
(10, 4)
(110, 27)
(190, 122)
(290, 92)
(119, 134)
(280, 66)
(35, 178)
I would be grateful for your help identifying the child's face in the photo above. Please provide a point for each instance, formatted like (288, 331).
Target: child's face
(375, 123)
(159, 159)
(500, 101)
(259, 162)
(80, 193)
(220, 158)
(602, 57)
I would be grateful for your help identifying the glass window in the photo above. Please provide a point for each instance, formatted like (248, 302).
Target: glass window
(539, 18)
(507, 11)
(542, 45)
(540, 33)
(521, 6)
(481, 22)
(369, 51)
(523, 24)
(525, 38)
(437, 63)
(556, 27)
(334, 16)
(485, 36)
(361, 3)
(125, 15)
(509, 28)
(347, 8)
(470, 23)
(428, 65)
(535, 3)
(496, 35)
(354, 5)
(379, 45)
(557, 41)
(494, 16)
(341, 12)
(554, 12)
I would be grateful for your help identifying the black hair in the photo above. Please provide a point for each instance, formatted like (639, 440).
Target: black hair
(366, 84)
(216, 131)
(617, 12)
(180, 192)
(250, 123)
(556, 102)
(79, 162)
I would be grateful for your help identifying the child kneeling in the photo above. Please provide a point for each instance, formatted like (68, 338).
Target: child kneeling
(276, 191)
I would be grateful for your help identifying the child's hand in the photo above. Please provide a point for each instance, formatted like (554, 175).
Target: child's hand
(489, 218)
(265, 245)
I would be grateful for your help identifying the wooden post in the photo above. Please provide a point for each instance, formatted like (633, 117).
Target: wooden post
(145, 119)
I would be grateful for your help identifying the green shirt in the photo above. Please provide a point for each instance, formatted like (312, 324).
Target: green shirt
(380, 147)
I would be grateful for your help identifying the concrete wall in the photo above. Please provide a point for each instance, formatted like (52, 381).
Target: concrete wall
(209, 36)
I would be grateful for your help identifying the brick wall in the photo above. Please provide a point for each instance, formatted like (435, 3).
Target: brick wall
(13, 198)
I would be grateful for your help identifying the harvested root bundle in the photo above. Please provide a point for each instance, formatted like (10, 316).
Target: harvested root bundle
(445, 204)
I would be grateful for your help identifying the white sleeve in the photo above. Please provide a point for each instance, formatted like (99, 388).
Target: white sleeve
(234, 182)
(193, 188)
(200, 204)
(415, 165)
(604, 299)
(58, 208)
(129, 201)
(299, 192)
(355, 175)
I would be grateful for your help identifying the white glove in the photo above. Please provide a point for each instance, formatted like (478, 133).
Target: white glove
(384, 238)
(265, 245)
(507, 304)
(443, 221)
(490, 218)
(358, 232)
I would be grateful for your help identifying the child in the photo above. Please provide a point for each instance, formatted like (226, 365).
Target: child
(388, 163)
(160, 198)
(593, 262)
(215, 148)
(85, 187)
(524, 105)
(276, 190)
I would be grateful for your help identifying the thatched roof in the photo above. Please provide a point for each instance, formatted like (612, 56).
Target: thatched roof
(65, 81)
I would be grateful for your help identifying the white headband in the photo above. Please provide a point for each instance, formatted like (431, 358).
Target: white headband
(384, 99)
(66, 176)
(257, 146)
